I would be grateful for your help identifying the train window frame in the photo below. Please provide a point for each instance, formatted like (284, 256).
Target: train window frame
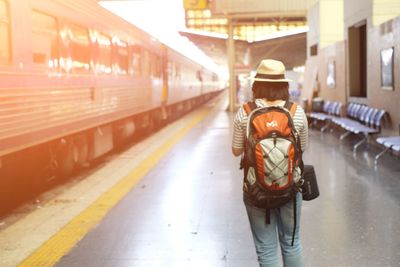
(171, 70)
(135, 60)
(155, 65)
(178, 72)
(159, 66)
(51, 56)
(67, 60)
(120, 57)
(5, 23)
(145, 67)
(103, 57)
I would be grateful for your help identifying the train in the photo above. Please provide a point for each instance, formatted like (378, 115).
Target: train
(77, 82)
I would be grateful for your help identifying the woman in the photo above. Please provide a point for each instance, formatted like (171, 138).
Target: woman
(270, 88)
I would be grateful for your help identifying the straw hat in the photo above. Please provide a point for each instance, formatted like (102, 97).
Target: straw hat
(270, 70)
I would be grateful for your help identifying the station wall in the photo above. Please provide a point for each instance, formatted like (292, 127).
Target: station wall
(380, 37)
(384, 36)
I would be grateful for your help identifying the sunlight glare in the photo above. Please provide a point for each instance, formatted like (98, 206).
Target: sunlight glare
(163, 20)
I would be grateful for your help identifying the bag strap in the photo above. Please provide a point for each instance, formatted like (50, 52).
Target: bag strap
(292, 107)
(249, 107)
(294, 217)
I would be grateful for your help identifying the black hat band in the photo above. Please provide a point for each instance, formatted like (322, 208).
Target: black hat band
(270, 76)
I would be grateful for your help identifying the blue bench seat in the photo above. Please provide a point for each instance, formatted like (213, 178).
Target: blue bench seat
(330, 110)
(389, 142)
(361, 120)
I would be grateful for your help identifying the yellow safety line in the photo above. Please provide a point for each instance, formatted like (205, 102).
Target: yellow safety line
(62, 242)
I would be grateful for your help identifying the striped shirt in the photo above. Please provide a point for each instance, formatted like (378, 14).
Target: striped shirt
(240, 124)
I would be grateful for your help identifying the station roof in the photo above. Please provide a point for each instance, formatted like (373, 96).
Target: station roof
(262, 29)
(289, 49)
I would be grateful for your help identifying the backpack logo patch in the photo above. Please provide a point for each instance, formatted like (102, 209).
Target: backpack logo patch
(272, 124)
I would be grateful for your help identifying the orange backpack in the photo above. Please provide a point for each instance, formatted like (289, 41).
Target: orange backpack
(272, 159)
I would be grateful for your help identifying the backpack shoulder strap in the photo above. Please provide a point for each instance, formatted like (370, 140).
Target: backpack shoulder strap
(291, 107)
(249, 107)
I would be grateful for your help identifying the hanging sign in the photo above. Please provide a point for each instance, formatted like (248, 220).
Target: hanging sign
(195, 4)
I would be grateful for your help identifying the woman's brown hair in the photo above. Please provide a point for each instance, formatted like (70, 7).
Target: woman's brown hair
(271, 90)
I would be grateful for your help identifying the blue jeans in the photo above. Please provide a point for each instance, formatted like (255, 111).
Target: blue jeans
(265, 235)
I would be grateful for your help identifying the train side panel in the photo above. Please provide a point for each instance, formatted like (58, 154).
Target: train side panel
(41, 103)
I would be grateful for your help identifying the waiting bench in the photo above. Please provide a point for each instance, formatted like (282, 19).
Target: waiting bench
(389, 142)
(330, 110)
(361, 120)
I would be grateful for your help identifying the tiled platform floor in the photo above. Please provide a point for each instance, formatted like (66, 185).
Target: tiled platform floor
(188, 210)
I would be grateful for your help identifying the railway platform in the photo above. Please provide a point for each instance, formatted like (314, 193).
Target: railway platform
(175, 200)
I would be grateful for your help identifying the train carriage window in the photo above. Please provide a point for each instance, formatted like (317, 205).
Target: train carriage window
(174, 70)
(155, 66)
(104, 54)
(178, 73)
(171, 70)
(5, 49)
(159, 67)
(146, 63)
(136, 60)
(120, 61)
(79, 48)
(214, 78)
(44, 40)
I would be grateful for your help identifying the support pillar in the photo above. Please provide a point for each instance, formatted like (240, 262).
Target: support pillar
(231, 58)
